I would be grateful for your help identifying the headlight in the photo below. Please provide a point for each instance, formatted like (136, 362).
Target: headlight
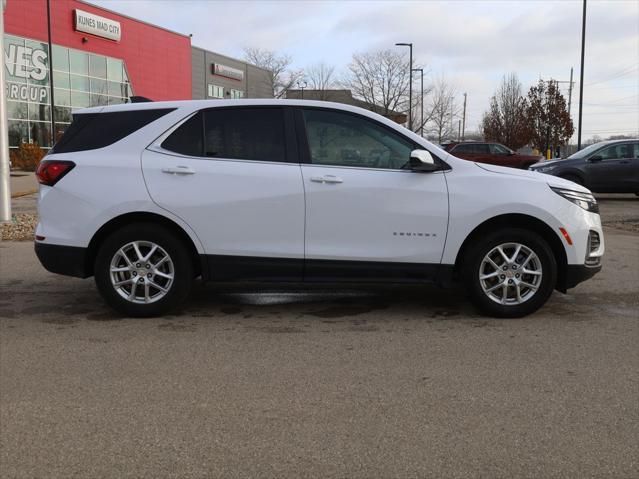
(583, 200)
(545, 169)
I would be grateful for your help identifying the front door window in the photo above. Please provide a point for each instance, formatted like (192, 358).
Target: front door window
(343, 139)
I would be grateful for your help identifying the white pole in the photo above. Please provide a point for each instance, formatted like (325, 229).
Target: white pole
(5, 183)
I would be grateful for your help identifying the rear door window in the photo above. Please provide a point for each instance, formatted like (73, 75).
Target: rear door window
(245, 134)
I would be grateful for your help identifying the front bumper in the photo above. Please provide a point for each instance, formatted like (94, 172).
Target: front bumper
(66, 260)
(575, 274)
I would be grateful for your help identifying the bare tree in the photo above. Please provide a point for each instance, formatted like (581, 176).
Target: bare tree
(320, 77)
(506, 120)
(281, 76)
(380, 78)
(444, 111)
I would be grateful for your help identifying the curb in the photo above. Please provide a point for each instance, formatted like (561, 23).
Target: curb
(24, 193)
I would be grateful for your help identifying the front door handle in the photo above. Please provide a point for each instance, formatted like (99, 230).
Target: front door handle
(327, 179)
(179, 170)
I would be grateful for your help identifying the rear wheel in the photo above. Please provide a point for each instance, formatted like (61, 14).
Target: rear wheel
(510, 273)
(143, 270)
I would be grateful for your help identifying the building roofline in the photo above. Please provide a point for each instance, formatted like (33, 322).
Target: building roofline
(133, 18)
(230, 58)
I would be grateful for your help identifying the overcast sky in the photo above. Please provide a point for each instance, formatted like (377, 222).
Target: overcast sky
(472, 43)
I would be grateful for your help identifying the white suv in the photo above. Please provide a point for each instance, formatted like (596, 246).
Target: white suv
(148, 196)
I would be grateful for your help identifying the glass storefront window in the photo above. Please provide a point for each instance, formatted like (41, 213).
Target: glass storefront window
(99, 100)
(11, 40)
(98, 86)
(80, 83)
(79, 99)
(60, 79)
(39, 112)
(114, 100)
(40, 133)
(97, 66)
(60, 58)
(61, 97)
(78, 62)
(80, 80)
(18, 132)
(114, 70)
(16, 110)
(36, 45)
(62, 114)
(115, 89)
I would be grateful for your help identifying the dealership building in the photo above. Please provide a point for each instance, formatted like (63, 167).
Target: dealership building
(99, 57)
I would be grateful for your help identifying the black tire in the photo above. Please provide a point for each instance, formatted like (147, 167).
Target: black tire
(472, 264)
(182, 270)
(573, 178)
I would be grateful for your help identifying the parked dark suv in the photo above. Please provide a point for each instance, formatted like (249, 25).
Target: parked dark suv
(492, 153)
(605, 167)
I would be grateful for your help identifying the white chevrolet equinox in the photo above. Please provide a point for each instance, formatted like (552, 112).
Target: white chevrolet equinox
(148, 196)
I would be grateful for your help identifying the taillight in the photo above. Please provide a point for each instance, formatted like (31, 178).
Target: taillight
(51, 171)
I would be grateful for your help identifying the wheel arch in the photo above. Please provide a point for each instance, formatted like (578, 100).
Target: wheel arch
(572, 172)
(522, 221)
(140, 217)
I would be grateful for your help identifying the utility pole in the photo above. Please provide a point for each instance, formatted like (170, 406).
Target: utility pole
(570, 92)
(463, 131)
(410, 84)
(421, 128)
(458, 130)
(5, 173)
(570, 84)
(581, 76)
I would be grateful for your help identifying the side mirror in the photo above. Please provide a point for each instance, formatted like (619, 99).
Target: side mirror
(595, 158)
(422, 160)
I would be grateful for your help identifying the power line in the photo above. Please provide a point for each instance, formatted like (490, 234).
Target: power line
(625, 72)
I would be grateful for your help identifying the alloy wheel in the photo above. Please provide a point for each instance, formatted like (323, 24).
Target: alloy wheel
(510, 274)
(142, 272)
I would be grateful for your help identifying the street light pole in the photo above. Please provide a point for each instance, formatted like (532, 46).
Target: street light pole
(581, 76)
(421, 119)
(463, 130)
(410, 84)
(301, 85)
(5, 173)
(51, 95)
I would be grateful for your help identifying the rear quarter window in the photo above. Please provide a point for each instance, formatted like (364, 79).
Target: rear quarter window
(90, 131)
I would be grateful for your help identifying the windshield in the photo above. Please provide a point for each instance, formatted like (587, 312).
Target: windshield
(585, 151)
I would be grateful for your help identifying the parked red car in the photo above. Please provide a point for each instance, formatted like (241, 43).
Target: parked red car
(493, 153)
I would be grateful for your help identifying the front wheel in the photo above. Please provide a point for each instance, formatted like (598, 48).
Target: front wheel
(510, 273)
(143, 270)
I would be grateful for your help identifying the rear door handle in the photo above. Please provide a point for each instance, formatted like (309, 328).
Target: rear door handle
(327, 179)
(179, 170)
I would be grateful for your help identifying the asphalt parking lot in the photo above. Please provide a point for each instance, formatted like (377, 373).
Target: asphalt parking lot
(321, 381)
